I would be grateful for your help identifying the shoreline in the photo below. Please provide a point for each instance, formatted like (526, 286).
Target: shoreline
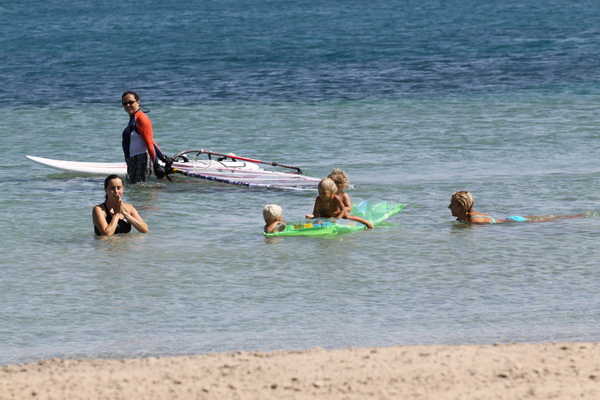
(507, 371)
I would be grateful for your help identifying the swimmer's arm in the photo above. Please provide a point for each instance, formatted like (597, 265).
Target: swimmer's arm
(358, 219)
(269, 228)
(99, 220)
(341, 211)
(132, 216)
(276, 226)
(316, 213)
(347, 202)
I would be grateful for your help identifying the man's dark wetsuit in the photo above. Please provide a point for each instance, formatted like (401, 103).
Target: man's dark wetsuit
(140, 150)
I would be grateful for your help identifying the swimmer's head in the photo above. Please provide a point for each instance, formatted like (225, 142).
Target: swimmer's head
(131, 102)
(107, 184)
(132, 93)
(463, 199)
(110, 178)
(327, 185)
(272, 213)
(340, 178)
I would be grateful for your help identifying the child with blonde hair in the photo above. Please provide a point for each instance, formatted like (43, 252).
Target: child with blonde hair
(341, 182)
(272, 214)
(329, 205)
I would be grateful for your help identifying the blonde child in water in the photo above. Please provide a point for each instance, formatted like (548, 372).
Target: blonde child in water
(329, 205)
(272, 215)
(341, 182)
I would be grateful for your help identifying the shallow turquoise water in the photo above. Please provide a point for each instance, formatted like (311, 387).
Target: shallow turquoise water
(205, 279)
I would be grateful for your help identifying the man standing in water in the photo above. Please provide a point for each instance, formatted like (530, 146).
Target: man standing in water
(140, 150)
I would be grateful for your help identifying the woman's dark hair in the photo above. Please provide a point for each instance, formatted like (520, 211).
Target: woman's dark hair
(110, 178)
(137, 98)
(134, 94)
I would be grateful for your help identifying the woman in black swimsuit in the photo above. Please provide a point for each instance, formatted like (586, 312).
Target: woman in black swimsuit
(115, 216)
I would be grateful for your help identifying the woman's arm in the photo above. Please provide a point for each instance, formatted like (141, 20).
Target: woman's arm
(132, 216)
(99, 219)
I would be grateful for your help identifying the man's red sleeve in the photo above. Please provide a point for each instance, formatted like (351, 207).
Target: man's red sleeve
(144, 128)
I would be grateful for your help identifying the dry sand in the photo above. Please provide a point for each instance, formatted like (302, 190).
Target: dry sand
(513, 371)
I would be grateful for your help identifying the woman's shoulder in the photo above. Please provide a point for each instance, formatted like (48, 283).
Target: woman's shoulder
(99, 210)
(141, 117)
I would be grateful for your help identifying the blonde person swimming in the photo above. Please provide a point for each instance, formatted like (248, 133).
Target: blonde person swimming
(461, 206)
(272, 214)
(329, 205)
(341, 182)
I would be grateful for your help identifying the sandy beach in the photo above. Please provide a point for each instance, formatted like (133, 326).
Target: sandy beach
(511, 371)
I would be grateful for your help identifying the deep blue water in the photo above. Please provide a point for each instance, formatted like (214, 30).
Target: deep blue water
(74, 53)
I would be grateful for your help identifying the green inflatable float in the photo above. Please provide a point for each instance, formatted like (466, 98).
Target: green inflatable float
(376, 212)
